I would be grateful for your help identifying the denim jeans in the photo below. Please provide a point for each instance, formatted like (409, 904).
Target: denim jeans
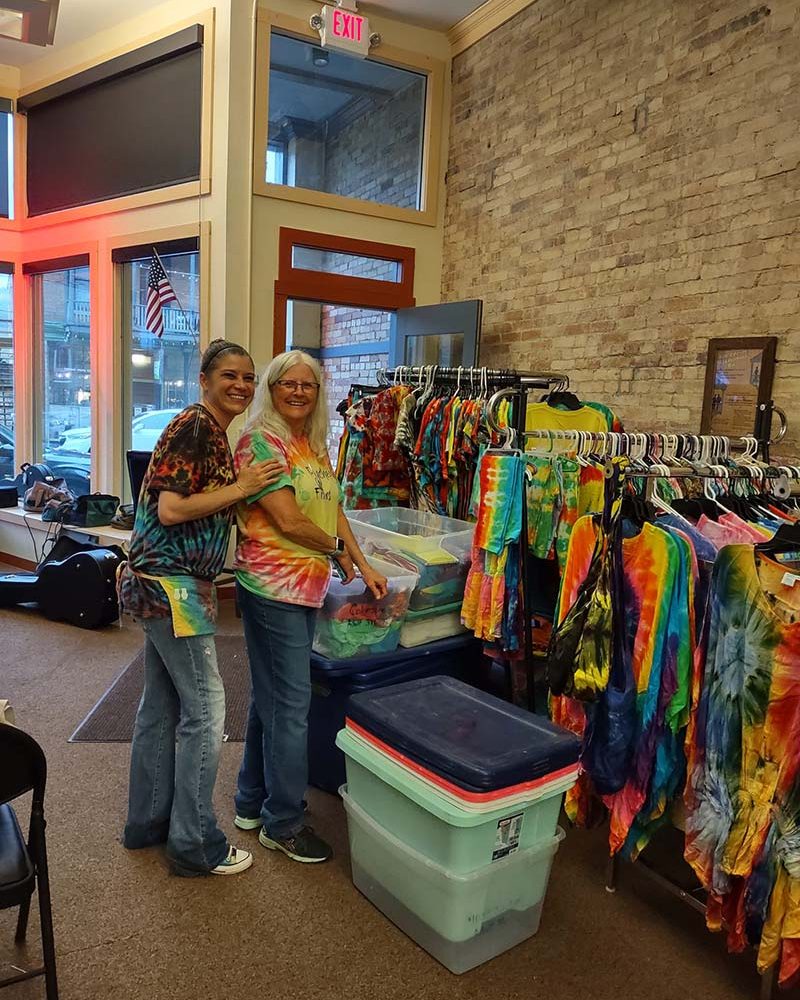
(274, 772)
(172, 783)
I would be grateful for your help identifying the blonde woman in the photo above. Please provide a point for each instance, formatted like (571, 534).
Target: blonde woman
(289, 533)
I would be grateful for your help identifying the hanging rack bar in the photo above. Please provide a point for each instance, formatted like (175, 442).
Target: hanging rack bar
(496, 376)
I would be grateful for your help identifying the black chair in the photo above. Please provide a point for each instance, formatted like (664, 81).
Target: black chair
(23, 866)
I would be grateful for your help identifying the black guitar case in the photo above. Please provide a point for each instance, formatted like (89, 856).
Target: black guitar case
(75, 584)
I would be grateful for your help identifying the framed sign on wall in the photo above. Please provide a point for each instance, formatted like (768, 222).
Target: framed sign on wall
(739, 375)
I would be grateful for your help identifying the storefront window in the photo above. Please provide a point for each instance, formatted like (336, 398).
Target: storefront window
(7, 463)
(61, 329)
(161, 373)
(344, 125)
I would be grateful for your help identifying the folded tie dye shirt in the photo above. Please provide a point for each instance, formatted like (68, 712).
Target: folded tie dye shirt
(180, 561)
(267, 563)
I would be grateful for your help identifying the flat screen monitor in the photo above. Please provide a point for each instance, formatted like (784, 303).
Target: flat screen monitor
(137, 466)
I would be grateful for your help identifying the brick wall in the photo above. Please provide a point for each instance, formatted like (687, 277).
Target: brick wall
(377, 156)
(623, 185)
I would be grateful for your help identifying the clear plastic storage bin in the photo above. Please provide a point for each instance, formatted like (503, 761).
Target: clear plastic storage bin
(436, 828)
(353, 623)
(462, 920)
(427, 626)
(437, 548)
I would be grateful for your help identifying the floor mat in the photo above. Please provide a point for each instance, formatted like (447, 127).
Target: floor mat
(112, 718)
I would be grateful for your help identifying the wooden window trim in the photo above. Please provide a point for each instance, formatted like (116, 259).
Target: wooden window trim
(431, 175)
(338, 289)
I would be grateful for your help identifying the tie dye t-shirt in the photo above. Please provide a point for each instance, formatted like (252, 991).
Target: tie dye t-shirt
(191, 456)
(267, 563)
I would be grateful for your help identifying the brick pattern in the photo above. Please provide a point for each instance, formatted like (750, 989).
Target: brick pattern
(339, 374)
(622, 186)
(377, 157)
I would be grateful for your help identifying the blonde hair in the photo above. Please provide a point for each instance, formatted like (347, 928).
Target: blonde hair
(266, 418)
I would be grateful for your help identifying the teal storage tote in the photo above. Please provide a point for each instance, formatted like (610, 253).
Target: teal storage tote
(442, 832)
(462, 920)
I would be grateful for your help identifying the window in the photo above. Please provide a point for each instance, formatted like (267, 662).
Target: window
(344, 125)
(331, 262)
(6, 160)
(7, 463)
(276, 163)
(141, 115)
(61, 313)
(161, 374)
(350, 343)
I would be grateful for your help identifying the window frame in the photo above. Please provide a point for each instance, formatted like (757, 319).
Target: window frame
(430, 178)
(337, 289)
(158, 196)
(29, 437)
(114, 367)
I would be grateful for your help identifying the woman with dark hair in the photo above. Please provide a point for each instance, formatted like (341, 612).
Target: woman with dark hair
(178, 547)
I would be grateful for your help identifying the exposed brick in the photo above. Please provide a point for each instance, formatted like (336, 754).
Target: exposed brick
(626, 187)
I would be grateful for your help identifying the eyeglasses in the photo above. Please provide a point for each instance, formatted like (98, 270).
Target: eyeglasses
(290, 386)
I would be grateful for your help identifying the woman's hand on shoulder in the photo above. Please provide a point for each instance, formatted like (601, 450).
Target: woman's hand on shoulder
(255, 477)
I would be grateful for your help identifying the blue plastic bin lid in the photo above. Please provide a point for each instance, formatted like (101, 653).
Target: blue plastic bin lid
(457, 645)
(472, 739)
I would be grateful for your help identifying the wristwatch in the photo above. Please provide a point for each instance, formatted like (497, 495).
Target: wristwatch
(339, 548)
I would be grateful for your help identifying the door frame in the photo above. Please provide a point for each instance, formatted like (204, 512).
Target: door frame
(337, 289)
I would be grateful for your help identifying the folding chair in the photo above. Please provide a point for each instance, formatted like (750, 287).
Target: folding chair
(23, 867)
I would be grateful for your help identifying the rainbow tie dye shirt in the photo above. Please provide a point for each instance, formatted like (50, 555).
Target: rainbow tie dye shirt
(171, 568)
(267, 563)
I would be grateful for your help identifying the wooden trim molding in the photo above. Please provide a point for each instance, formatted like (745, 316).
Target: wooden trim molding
(17, 562)
(124, 203)
(431, 179)
(482, 22)
(337, 289)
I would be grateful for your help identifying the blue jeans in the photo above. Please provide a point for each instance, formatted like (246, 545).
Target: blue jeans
(171, 784)
(274, 772)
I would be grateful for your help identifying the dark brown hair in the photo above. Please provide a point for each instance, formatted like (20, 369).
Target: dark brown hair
(218, 347)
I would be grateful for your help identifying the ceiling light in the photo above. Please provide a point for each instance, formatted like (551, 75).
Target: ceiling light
(320, 57)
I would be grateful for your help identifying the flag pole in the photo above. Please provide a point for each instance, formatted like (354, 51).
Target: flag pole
(192, 331)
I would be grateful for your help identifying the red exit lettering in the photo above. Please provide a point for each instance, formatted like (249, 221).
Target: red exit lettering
(350, 27)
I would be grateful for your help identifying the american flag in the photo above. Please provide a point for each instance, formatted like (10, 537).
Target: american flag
(159, 293)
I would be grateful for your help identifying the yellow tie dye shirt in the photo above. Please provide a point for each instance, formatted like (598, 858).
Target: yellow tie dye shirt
(267, 563)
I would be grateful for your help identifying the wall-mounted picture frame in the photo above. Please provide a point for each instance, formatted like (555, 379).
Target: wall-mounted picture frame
(739, 376)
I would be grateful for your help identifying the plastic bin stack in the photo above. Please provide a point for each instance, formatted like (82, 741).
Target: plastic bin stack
(452, 800)
(352, 623)
(333, 681)
(438, 549)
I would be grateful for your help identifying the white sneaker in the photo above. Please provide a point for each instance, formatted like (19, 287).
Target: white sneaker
(247, 824)
(236, 861)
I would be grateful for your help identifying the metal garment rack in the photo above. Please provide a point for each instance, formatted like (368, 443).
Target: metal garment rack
(502, 384)
(753, 472)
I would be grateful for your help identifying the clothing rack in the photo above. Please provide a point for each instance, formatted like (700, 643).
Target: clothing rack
(705, 452)
(505, 384)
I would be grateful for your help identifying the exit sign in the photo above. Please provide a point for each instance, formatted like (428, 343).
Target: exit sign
(344, 29)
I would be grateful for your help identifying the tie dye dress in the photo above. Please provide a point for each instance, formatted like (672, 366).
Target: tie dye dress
(743, 787)
(658, 643)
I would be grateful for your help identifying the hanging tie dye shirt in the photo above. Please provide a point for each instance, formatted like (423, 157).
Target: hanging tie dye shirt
(267, 563)
(742, 788)
(171, 568)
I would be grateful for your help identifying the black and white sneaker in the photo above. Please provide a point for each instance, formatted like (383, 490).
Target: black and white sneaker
(304, 846)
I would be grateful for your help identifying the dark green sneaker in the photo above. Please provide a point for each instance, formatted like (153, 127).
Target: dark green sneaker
(304, 846)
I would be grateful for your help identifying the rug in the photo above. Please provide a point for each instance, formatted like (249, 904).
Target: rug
(112, 718)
